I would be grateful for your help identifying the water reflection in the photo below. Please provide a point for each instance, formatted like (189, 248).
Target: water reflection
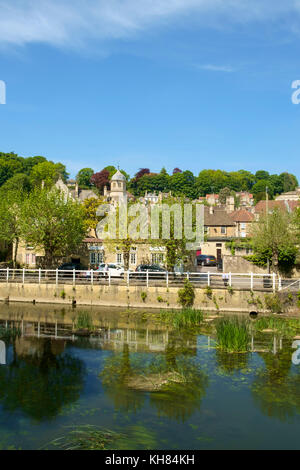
(143, 369)
(40, 378)
(231, 363)
(2, 353)
(276, 387)
(175, 382)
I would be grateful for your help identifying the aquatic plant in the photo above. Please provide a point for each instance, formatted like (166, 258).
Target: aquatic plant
(184, 318)
(86, 437)
(233, 334)
(84, 321)
(282, 326)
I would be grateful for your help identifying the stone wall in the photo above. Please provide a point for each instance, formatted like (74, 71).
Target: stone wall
(237, 264)
(222, 299)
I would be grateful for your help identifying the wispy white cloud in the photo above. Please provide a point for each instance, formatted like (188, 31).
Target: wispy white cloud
(73, 22)
(217, 68)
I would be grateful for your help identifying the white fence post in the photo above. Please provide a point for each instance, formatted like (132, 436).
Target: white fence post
(7, 275)
(251, 281)
(208, 279)
(128, 278)
(230, 280)
(56, 276)
(74, 277)
(279, 283)
(92, 277)
(147, 278)
(23, 277)
(167, 278)
(39, 275)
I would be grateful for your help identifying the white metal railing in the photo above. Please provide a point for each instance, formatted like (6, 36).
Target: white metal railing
(247, 281)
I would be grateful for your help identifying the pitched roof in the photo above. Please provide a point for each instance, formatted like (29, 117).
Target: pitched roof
(219, 218)
(288, 206)
(242, 215)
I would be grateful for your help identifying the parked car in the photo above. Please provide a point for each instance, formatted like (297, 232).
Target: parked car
(70, 267)
(114, 270)
(206, 260)
(155, 271)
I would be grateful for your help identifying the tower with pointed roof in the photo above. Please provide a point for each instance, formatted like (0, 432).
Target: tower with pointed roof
(118, 191)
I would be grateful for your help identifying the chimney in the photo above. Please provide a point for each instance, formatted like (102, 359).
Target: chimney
(230, 204)
(105, 191)
(211, 210)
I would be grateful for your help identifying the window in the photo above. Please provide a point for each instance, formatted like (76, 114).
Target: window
(119, 258)
(27, 258)
(96, 257)
(132, 258)
(33, 259)
(243, 226)
(223, 230)
(157, 258)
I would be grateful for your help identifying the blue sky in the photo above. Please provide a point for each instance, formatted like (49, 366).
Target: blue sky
(192, 84)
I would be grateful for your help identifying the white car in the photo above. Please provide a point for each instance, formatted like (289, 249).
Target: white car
(113, 269)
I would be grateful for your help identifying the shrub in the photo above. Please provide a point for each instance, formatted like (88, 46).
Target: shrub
(209, 292)
(144, 296)
(186, 296)
(273, 303)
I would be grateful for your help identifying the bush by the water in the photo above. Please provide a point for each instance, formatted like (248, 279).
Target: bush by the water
(233, 334)
(186, 296)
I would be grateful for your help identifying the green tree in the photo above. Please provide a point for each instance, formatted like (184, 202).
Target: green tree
(274, 240)
(83, 177)
(18, 182)
(52, 223)
(47, 172)
(11, 217)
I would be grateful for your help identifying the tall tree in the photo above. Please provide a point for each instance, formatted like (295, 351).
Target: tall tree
(11, 219)
(83, 177)
(100, 179)
(47, 172)
(52, 223)
(274, 239)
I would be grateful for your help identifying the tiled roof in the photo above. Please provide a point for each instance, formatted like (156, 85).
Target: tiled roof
(219, 218)
(283, 205)
(242, 215)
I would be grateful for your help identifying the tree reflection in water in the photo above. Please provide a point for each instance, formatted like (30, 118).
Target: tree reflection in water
(40, 381)
(230, 363)
(174, 381)
(276, 388)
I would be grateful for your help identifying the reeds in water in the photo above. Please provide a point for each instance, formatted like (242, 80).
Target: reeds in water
(184, 318)
(233, 334)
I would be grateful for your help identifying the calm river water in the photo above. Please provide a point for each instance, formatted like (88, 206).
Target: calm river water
(52, 380)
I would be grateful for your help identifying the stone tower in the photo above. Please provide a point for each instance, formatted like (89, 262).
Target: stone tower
(118, 192)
